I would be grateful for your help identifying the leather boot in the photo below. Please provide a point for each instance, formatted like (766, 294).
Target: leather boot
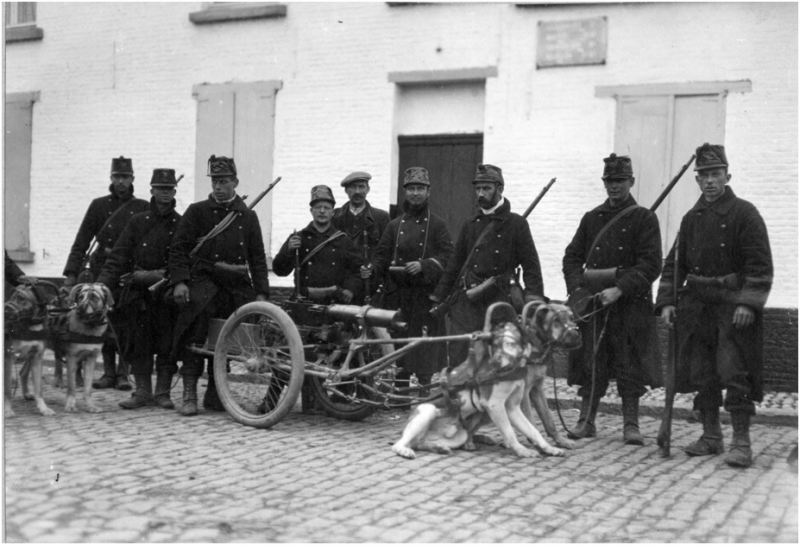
(711, 440)
(108, 379)
(740, 454)
(189, 407)
(630, 421)
(121, 379)
(211, 400)
(163, 385)
(585, 426)
(143, 395)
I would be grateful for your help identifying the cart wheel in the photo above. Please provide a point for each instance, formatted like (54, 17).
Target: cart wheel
(258, 364)
(333, 397)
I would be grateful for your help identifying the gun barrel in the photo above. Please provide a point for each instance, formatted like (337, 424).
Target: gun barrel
(373, 317)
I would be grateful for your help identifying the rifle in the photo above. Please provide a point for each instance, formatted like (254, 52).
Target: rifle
(665, 431)
(671, 184)
(296, 268)
(367, 297)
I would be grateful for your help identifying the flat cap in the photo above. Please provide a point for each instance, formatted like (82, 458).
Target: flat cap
(489, 173)
(221, 166)
(617, 166)
(356, 176)
(710, 156)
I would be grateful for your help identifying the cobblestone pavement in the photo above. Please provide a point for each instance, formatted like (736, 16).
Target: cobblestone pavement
(153, 476)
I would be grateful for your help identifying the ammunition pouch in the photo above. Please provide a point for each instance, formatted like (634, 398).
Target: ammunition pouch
(226, 274)
(323, 294)
(715, 289)
(596, 280)
(489, 290)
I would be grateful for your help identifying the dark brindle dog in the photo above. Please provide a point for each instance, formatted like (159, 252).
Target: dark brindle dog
(77, 334)
(496, 386)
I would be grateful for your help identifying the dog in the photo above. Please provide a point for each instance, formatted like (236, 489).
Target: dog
(77, 335)
(498, 389)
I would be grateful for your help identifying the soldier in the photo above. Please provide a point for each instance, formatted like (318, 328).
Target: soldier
(414, 249)
(358, 216)
(139, 258)
(104, 221)
(211, 278)
(329, 263)
(620, 241)
(724, 278)
(491, 244)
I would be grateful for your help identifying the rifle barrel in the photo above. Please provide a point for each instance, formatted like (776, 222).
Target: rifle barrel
(539, 197)
(671, 184)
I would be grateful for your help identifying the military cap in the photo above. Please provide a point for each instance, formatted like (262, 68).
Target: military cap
(163, 177)
(617, 167)
(489, 173)
(221, 166)
(357, 176)
(416, 175)
(122, 165)
(321, 193)
(710, 156)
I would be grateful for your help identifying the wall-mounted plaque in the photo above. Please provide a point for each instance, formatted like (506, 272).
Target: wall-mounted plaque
(572, 43)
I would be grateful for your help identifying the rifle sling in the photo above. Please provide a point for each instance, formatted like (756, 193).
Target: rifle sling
(472, 252)
(605, 228)
(226, 221)
(321, 245)
(105, 224)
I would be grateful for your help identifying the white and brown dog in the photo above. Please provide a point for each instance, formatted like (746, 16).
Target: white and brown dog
(77, 333)
(496, 386)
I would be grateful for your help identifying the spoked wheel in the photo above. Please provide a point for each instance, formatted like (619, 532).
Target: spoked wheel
(345, 399)
(258, 364)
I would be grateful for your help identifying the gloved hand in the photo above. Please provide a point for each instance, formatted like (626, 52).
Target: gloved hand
(181, 293)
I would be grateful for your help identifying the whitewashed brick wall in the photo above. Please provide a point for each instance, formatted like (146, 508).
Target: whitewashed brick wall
(116, 78)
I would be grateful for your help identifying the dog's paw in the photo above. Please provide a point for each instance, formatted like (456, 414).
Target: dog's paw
(93, 409)
(28, 397)
(552, 451)
(47, 411)
(8, 412)
(403, 451)
(523, 452)
(469, 446)
(563, 442)
(442, 450)
(484, 440)
(58, 382)
(70, 407)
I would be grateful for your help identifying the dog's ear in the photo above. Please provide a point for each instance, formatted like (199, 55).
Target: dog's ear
(73, 294)
(109, 299)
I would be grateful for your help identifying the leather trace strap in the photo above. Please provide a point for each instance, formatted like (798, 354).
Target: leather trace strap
(321, 245)
(605, 228)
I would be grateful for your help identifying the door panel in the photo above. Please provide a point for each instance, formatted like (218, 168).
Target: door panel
(451, 161)
(17, 177)
(214, 132)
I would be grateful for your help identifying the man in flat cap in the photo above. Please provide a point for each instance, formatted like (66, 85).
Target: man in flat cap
(491, 245)
(139, 260)
(329, 263)
(363, 223)
(724, 278)
(609, 268)
(213, 278)
(104, 221)
(412, 254)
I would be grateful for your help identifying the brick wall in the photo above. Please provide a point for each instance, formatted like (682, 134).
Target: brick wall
(125, 88)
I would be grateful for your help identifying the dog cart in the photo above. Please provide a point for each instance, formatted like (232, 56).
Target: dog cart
(263, 351)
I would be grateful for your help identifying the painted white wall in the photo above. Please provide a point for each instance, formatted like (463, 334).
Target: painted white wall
(116, 78)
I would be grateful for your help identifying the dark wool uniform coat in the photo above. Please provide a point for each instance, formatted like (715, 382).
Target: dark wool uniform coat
(727, 237)
(144, 245)
(372, 220)
(96, 215)
(417, 235)
(629, 349)
(507, 246)
(12, 271)
(337, 263)
(239, 244)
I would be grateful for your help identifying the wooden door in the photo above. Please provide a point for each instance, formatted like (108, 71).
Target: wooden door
(451, 161)
(17, 175)
(237, 120)
(660, 133)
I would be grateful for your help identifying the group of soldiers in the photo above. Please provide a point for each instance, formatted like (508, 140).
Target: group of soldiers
(213, 260)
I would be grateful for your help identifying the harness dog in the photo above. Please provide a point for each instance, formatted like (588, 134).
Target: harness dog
(494, 385)
(77, 333)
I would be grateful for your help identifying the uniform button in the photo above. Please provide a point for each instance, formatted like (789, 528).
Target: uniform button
(497, 251)
(722, 245)
(623, 230)
(242, 243)
(144, 244)
(401, 232)
(620, 247)
(697, 269)
(723, 226)
(474, 266)
(216, 255)
(597, 248)
(423, 230)
(402, 221)
(420, 244)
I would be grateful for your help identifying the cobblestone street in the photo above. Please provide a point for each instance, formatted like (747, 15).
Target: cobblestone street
(153, 476)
